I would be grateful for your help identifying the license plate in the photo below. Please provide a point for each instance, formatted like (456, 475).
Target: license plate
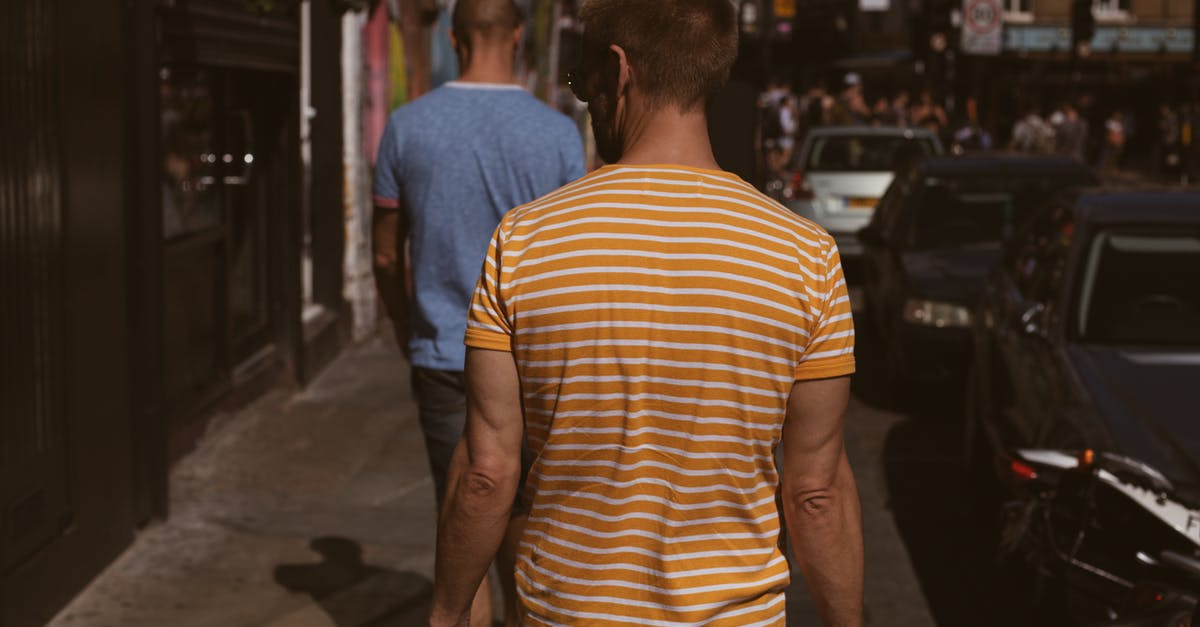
(861, 203)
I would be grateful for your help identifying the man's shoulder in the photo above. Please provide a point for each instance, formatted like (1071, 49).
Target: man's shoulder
(430, 103)
(542, 115)
(760, 208)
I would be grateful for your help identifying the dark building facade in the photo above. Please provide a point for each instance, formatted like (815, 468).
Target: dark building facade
(167, 248)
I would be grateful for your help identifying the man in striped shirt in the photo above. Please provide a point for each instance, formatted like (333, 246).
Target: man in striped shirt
(655, 330)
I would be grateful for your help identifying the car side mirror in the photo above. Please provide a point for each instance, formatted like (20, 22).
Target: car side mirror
(1032, 321)
(872, 235)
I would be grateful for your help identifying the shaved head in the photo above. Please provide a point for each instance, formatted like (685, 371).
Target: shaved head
(488, 19)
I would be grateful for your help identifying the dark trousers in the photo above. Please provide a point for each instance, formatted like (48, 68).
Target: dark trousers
(442, 410)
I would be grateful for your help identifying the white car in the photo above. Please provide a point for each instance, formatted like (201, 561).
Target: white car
(841, 172)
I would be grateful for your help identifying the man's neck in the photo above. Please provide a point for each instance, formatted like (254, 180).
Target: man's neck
(668, 136)
(488, 65)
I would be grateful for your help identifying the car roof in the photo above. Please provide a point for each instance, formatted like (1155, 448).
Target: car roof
(999, 163)
(869, 131)
(1145, 206)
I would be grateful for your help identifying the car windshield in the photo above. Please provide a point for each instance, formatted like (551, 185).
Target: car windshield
(864, 153)
(1139, 287)
(972, 209)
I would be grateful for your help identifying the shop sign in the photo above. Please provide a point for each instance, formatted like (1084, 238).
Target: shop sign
(1124, 39)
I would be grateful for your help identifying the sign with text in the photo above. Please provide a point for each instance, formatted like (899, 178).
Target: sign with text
(982, 27)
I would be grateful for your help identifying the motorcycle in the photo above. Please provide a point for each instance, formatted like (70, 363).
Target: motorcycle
(1109, 532)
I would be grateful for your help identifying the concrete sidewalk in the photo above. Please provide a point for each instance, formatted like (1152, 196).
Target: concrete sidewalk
(316, 509)
(309, 509)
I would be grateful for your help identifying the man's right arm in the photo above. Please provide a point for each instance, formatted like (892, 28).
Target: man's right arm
(820, 500)
(389, 235)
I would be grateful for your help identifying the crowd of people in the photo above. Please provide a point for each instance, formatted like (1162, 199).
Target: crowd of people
(787, 115)
(1076, 128)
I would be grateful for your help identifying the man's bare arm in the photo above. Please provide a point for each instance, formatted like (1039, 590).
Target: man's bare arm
(820, 500)
(389, 235)
(481, 486)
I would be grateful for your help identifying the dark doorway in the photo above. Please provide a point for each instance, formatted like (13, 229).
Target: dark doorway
(226, 165)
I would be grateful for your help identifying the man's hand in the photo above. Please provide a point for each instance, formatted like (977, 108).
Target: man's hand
(820, 500)
(481, 484)
(389, 236)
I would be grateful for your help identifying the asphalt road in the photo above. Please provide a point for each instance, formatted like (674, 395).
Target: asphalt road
(926, 561)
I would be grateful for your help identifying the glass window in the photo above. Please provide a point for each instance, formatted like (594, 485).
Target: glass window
(842, 153)
(1110, 8)
(1017, 6)
(1041, 253)
(1139, 287)
(189, 168)
(973, 209)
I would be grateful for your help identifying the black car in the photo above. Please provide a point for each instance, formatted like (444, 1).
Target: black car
(936, 235)
(1088, 335)
(1086, 343)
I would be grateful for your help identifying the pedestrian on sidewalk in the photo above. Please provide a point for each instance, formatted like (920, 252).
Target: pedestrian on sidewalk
(1070, 133)
(1115, 132)
(655, 330)
(451, 163)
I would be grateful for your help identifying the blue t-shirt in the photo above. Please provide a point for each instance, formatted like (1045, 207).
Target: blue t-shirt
(457, 159)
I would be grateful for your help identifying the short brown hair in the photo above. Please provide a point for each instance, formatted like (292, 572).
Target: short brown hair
(489, 19)
(681, 50)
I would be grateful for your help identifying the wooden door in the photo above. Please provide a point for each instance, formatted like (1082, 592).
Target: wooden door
(66, 506)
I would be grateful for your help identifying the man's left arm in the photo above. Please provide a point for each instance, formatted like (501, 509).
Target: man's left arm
(482, 484)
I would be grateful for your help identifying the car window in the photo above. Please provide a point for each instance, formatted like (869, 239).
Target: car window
(846, 153)
(976, 209)
(895, 221)
(887, 206)
(1139, 287)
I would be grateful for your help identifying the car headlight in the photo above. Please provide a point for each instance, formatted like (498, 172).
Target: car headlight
(934, 314)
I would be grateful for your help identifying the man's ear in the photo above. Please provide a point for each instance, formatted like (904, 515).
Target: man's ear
(623, 73)
(518, 35)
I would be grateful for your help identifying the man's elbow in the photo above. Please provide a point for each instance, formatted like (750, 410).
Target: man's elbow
(491, 480)
(817, 501)
(384, 262)
(815, 506)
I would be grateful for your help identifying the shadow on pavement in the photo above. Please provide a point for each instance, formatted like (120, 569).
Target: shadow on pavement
(355, 594)
(930, 498)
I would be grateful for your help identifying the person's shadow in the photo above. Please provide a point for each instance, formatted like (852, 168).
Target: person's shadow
(355, 594)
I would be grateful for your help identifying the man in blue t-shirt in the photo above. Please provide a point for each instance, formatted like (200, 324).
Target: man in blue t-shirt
(450, 165)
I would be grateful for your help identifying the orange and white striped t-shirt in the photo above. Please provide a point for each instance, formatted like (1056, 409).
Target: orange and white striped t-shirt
(658, 317)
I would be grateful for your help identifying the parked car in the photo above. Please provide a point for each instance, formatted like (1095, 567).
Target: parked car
(1087, 338)
(929, 248)
(840, 173)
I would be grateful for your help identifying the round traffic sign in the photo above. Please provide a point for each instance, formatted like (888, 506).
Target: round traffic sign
(982, 16)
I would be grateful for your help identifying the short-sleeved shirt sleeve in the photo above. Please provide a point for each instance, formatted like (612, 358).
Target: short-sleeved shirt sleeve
(387, 177)
(488, 326)
(830, 349)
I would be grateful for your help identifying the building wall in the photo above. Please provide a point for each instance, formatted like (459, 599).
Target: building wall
(1052, 9)
(1143, 11)
(1162, 11)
